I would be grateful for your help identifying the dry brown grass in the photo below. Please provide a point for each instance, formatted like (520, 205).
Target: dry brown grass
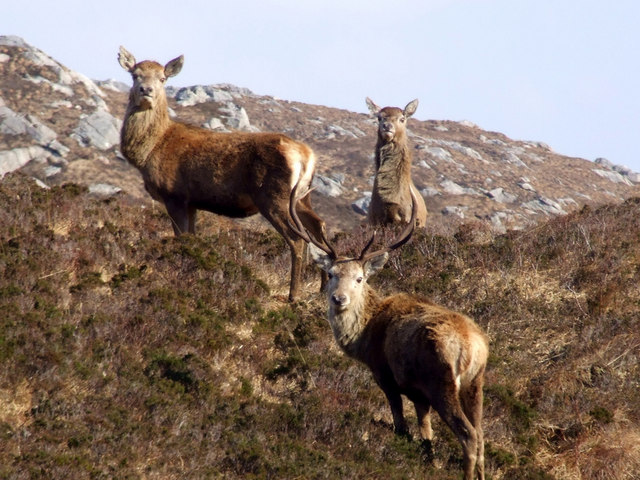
(127, 353)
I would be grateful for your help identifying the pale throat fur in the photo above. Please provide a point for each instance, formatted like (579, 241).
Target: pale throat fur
(349, 324)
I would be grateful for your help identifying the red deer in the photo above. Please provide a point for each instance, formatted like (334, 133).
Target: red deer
(391, 198)
(413, 347)
(233, 174)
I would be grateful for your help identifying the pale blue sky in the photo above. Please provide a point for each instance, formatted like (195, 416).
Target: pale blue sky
(564, 72)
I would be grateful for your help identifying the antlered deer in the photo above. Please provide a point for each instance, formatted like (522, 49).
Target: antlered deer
(391, 196)
(413, 347)
(233, 174)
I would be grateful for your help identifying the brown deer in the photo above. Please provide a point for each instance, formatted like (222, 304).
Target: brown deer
(233, 174)
(391, 198)
(413, 347)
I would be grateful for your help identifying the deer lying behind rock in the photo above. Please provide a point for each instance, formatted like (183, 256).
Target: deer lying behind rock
(391, 197)
(233, 174)
(413, 347)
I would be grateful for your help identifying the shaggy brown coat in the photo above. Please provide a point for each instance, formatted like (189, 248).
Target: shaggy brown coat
(233, 174)
(413, 347)
(390, 199)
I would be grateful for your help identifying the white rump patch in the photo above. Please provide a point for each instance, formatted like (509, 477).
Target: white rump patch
(296, 167)
(302, 166)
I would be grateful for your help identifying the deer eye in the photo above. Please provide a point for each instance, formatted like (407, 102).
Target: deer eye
(359, 279)
(402, 119)
(163, 79)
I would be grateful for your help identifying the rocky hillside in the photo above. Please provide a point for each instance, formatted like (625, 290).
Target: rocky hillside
(59, 126)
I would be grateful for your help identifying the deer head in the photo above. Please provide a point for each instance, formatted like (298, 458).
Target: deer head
(148, 77)
(348, 276)
(391, 120)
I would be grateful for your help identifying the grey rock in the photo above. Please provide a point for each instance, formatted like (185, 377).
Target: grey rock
(12, 123)
(603, 162)
(429, 192)
(215, 124)
(458, 147)
(104, 189)
(496, 222)
(13, 41)
(189, 96)
(454, 211)
(452, 188)
(613, 176)
(544, 205)
(361, 206)
(330, 186)
(512, 158)
(634, 177)
(11, 160)
(440, 153)
(236, 117)
(499, 195)
(113, 85)
(100, 130)
(51, 171)
(525, 185)
(59, 149)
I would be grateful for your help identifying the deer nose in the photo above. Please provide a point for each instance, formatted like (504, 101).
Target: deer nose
(340, 299)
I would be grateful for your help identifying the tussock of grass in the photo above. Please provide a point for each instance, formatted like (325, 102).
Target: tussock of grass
(128, 353)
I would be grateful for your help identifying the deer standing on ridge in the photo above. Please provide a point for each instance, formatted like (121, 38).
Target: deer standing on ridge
(233, 174)
(413, 347)
(391, 196)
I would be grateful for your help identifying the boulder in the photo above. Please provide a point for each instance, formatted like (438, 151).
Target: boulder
(499, 195)
(100, 130)
(329, 186)
(361, 206)
(11, 160)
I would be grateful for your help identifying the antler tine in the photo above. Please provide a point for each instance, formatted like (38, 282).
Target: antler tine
(368, 245)
(301, 231)
(403, 238)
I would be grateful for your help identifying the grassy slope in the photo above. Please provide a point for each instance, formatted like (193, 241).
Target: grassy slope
(127, 353)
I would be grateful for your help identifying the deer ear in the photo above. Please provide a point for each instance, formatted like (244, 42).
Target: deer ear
(173, 68)
(373, 108)
(374, 264)
(126, 59)
(411, 108)
(321, 258)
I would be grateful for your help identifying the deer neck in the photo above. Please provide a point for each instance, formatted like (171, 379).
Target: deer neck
(141, 130)
(393, 162)
(349, 325)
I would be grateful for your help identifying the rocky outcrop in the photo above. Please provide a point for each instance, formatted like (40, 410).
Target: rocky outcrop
(60, 126)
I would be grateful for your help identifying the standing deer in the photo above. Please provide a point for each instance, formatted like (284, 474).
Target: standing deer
(413, 347)
(233, 174)
(391, 197)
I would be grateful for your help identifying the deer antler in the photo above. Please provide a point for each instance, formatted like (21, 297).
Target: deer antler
(300, 230)
(403, 238)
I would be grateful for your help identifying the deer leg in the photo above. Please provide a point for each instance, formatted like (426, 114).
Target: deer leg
(296, 245)
(315, 225)
(471, 397)
(450, 409)
(191, 214)
(399, 423)
(297, 253)
(390, 389)
(178, 213)
(423, 412)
